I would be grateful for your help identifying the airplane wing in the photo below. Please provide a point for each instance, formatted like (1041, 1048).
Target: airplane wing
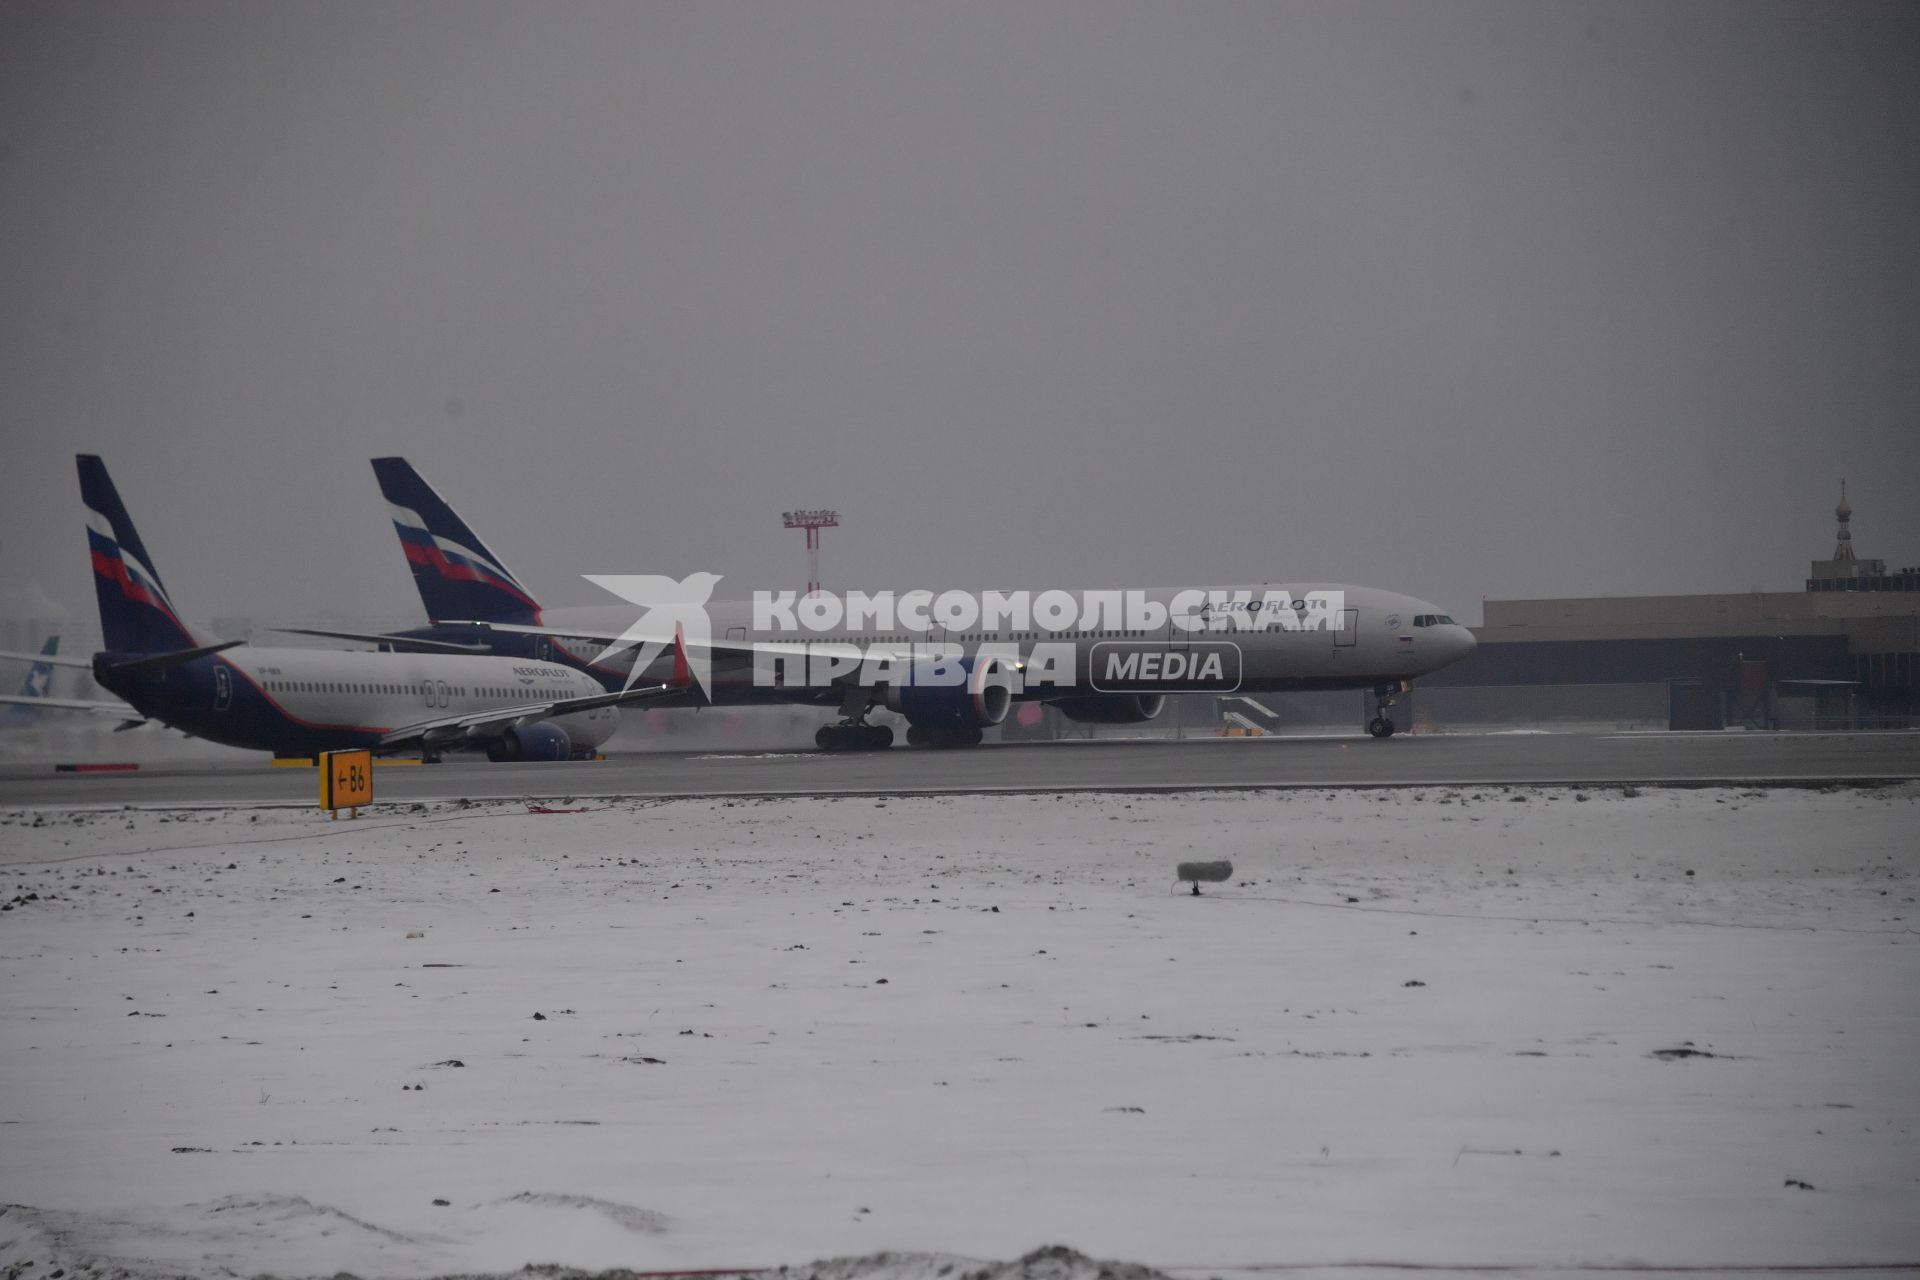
(495, 721)
(399, 644)
(119, 709)
(722, 654)
(52, 660)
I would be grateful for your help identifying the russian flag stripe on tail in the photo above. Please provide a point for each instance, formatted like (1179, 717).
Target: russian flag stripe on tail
(135, 614)
(458, 577)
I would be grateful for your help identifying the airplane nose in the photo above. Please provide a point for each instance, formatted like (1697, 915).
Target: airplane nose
(1446, 641)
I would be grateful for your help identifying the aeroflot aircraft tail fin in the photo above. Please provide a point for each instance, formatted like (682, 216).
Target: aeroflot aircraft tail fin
(39, 680)
(458, 577)
(135, 614)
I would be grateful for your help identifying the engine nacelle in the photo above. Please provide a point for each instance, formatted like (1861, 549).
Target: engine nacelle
(542, 740)
(1113, 708)
(970, 692)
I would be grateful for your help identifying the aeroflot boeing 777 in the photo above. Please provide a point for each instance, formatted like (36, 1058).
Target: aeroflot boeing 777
(1112, 663)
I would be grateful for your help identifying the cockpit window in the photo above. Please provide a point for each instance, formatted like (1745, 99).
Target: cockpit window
(1434, 620)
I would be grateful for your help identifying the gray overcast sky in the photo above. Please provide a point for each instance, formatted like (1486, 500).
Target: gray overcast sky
(1466, 299)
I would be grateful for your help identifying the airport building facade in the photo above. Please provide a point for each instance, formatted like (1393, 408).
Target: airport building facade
(1843, 653)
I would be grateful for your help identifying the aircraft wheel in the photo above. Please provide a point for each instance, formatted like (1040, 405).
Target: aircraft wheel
(919, 736)
(1390, 727)
(968, 735)
(827, 737)
(878, 736)
(1379, 726)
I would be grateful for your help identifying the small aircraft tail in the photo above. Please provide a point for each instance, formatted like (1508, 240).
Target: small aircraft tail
(458, 577)
(39, 679)
(135, 614)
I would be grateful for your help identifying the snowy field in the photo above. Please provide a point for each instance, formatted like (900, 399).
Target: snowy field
(1523, 1027)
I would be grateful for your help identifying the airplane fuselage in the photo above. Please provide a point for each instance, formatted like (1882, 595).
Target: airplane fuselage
(1353, 638)
(300, 701)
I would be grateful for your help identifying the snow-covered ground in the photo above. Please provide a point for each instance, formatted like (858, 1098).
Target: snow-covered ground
(1459, 1025)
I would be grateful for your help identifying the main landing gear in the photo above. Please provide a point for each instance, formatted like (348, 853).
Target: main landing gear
(852, 732)
(1381, 726)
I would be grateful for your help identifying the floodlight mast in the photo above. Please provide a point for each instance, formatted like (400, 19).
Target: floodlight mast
(812, 522)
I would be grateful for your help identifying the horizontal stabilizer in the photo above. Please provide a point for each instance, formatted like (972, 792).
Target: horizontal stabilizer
(51, 660)
(177, 658)
(99, 708)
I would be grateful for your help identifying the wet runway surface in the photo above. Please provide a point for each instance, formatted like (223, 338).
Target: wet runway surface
(1120, 765)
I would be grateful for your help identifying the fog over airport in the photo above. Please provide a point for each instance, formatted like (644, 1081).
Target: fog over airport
(1462, 299)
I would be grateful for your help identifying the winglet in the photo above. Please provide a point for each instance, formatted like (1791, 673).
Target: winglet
(682, 674)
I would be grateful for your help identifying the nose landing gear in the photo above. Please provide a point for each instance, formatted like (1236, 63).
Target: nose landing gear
(1381, 726)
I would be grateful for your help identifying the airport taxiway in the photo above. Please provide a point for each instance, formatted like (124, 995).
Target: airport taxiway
(1103, 764)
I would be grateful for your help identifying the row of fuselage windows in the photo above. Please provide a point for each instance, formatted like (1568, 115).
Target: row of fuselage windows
(412, 690)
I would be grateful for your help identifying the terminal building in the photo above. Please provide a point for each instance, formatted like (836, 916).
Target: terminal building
(1843, 653)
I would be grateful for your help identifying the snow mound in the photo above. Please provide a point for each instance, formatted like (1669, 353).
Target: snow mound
(1049, 1262)
(294, 1237)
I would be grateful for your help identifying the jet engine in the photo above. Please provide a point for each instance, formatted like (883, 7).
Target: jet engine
(949, 701)
(542, 740)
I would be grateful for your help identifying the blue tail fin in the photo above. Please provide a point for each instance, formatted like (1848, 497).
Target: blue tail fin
(135, 614)
(458, 577)
(39, 680)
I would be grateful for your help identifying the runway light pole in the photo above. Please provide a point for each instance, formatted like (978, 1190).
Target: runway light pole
(813, 522)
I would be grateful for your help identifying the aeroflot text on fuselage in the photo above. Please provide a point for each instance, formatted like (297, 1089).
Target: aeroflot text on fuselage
(1047, 611)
